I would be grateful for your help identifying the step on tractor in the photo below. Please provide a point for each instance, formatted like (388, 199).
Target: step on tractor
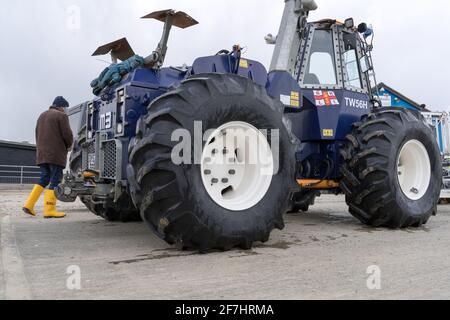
(213, 154)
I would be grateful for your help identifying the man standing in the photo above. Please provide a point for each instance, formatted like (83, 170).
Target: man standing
(54, 139)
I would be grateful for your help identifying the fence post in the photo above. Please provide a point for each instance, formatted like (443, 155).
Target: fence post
(21, 176)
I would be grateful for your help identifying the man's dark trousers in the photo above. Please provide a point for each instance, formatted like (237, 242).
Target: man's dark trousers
(52, 175)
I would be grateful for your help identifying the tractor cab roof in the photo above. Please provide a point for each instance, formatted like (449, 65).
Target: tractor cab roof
(327, 22)
(348, 25)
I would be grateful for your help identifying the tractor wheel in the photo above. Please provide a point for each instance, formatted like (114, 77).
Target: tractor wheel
(392, 171)
(222, 200)
(301, 201)
(123, 211)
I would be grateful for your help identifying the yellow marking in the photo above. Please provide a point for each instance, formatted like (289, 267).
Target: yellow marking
(318, 184)
(328, 133)
(295, 99)
(88, 174)
(243, 63)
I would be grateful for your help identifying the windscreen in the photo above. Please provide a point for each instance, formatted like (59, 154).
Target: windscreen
(321, 69)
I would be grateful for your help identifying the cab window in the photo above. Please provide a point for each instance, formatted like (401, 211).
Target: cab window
(321, 68)
(353, 76)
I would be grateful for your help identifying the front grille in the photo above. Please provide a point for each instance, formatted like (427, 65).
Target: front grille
(88, 156)
(109, 165)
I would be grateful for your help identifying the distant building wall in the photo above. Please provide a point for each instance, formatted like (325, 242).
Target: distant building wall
(388, 99)
(392, 98)
(17, 154)
(15, 162)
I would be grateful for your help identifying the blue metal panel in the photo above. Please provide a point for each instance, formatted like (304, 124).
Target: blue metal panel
(163, 78)
(320, 118)
(322, 126)
(141, 87)
(321, 122)
(330, 122)
(311, 119)
(228, 64)
(281, 83)
(254, 71)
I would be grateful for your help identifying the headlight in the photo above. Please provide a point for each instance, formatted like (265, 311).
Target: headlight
(119, 128)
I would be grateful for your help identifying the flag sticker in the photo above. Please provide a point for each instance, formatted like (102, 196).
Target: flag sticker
(325, 98)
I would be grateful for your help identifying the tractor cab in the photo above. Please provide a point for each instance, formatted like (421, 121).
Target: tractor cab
(330, 62)
(333, 58)
(332, 70)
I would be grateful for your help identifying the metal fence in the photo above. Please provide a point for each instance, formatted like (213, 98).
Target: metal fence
(19, 174)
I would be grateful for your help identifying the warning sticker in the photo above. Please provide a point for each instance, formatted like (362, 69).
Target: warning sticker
(291, 101)
(328, 133)
(286, 100)
(295, 99)
(243, 63)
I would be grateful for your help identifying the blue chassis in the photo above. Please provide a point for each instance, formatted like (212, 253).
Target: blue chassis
(321, 129)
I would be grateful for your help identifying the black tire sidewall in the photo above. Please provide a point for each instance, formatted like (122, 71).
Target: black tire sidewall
(415, 131)
(247, 108)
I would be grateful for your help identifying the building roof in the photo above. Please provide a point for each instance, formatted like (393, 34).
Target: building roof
(19, 145)
(420, 107)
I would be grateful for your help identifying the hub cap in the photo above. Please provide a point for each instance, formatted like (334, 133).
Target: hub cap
(237, 166)
(414, 170)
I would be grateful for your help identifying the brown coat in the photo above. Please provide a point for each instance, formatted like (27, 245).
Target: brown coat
(54, 138)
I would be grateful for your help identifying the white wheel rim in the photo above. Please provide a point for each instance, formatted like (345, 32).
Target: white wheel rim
(414, 170)
(237, 166)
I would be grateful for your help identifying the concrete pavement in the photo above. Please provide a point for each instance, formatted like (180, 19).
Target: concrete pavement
(325, 254)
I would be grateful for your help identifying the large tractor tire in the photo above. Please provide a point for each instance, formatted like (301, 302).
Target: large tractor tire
(392, 171)
(303, 200)
(123, 210)
(210, 204)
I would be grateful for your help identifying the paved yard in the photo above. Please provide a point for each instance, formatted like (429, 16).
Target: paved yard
(320, 255)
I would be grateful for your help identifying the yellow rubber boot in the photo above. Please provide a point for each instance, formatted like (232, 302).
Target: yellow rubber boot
(50, 206)
(28, 207)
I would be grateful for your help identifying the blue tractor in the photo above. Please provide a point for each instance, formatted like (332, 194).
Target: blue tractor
(212, 155)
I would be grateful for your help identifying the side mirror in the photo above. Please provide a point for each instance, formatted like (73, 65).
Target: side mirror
(364, 62)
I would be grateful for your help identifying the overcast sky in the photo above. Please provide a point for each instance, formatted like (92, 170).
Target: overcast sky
(45, 48)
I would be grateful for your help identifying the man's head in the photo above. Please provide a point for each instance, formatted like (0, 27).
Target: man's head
(60, 103)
